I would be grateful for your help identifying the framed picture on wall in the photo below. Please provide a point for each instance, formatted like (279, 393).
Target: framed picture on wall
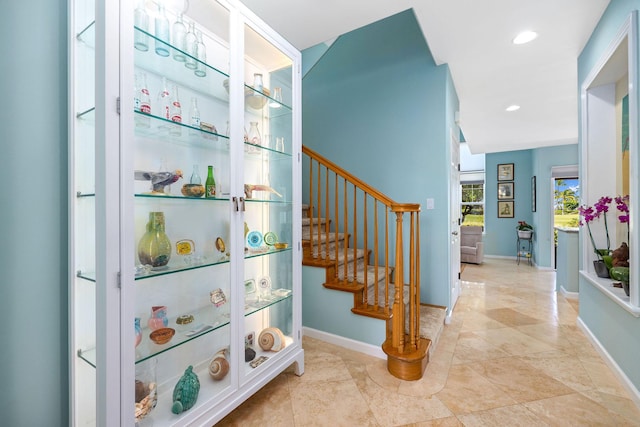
(505, 172)
(505, 209)
(505, 190)
(533, 193)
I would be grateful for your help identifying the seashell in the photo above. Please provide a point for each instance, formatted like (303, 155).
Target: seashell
(271, 339)
(220, 244)
(249, 354)
(219, 366)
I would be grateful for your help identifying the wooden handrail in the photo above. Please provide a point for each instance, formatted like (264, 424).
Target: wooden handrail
(396, 207)
(350, 221)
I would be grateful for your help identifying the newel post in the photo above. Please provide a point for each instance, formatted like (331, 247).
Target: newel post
(397, 338)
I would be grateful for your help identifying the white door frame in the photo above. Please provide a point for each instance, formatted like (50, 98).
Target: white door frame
(454, 223)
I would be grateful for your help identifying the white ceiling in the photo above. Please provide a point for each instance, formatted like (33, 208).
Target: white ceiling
(474, 38)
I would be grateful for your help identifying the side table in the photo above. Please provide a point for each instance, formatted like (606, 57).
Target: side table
(524, 248)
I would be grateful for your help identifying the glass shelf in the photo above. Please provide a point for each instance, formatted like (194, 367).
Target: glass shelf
(172, 268)
(257, 100)
(256, 254)
(211, 84)
(208, 199)
(281, 202)
(88, 35)
(88, 115)
(148, 349)
(160, 128)
(163, 197)
(254, 149)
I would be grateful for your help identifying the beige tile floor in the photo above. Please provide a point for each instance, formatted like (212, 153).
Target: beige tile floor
(512, 356)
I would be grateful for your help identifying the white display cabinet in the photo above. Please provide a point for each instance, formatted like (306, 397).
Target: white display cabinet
(224, 270)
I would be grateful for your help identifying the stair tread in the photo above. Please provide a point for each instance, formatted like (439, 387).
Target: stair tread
(306, 235)
(351, 254)
(360, 273)
(306, 222)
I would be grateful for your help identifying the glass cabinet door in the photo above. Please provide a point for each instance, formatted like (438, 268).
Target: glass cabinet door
(184, 177)
(181, 202)
(268, 213)
(83, 213)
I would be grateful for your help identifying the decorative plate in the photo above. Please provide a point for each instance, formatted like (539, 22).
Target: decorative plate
(270, 238)
(264, 284)
(254, 239)
(249, 286)
(185, 247)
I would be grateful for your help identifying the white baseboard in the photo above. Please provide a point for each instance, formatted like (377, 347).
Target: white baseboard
(569, 295)
(348, 343)
(501, 257)
(628, 385)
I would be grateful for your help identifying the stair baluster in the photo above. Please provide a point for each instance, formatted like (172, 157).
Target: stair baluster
(379, 291)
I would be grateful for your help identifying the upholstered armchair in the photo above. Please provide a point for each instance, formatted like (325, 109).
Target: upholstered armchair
(471, 246)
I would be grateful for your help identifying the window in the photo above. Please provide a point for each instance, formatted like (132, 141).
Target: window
(472, 204)
(566, 199)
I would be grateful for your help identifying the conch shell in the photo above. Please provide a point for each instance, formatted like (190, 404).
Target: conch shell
(219, 366)
(271, 339)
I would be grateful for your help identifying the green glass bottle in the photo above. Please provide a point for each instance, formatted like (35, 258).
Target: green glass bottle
(154, 248)
(210, 184)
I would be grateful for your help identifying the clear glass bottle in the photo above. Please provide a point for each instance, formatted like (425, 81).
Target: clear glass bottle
(201, 54)
(154, 248)
(136, 93)
(141, 102)
(162, 32)
(190, 47)
(164, 101)
(145, 99)
(175, 109)
(277, 98)
(195, 176)
(175, 112)
(141, 20)
(254, 134)
(257, 82)
(179, 35)
(194, 114)
(210, 184)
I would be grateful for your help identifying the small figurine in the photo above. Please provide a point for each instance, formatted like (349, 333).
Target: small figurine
(158, 179)
(250, 188)
(186, 391)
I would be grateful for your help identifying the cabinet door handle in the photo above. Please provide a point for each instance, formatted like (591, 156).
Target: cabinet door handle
(243, 205)
(235, 203)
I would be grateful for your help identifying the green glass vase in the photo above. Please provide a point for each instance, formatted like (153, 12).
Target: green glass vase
(154, 248)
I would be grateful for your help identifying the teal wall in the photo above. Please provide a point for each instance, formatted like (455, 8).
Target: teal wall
(616, 330)
(543, 160)
(500, 233)
(33, 218)
(312, 55)
(334, 314)
(377, 105)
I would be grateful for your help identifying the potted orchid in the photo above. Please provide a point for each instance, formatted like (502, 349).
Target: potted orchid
(589, 214)
(524, 230)
(620, 266)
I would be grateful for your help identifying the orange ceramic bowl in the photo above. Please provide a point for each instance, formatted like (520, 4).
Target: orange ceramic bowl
(162, 335)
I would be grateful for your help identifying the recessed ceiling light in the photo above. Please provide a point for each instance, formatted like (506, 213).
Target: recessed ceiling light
(525, 37)
(513, 108)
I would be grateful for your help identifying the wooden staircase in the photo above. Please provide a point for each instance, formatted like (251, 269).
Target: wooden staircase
(346, 230)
